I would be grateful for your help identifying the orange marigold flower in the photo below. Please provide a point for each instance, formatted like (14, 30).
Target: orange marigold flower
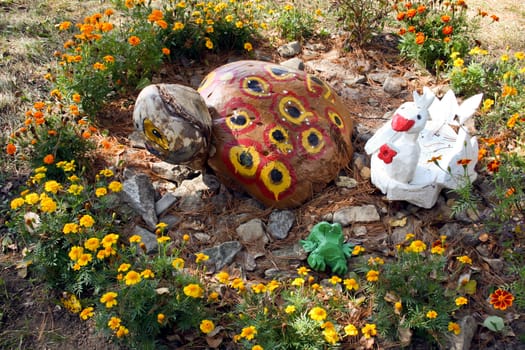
(166, 51)
(501, 299)
(86, 135)
(10, 149)
(420, 38)
(134, 40)
(411, 29)
(447, 30)
(408, 5)
(493, 165)
(482, 152)
(464, 161)
(510, 192)
(411, 13)
(445, 18)
(508, 91)
(494, 18)
(49, 159)
(421, 8)
(39, 105)
(400, 16)
(482, 13)
(402, 31)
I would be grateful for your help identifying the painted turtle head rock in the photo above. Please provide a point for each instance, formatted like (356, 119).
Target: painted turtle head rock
(279, 133)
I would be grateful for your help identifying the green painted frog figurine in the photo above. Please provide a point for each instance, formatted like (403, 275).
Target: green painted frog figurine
(326, 247)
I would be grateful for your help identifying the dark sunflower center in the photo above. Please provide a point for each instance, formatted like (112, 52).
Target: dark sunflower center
(276, 176)
(313, 139)
(278, 136)
(246, 159)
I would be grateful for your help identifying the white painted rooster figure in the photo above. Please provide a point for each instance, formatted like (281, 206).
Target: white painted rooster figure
(424, 148)
(396, 144)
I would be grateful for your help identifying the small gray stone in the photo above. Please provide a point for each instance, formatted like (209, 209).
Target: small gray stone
(252, 232)
(294, 63)
(294, 252)
(202, 182)
(365, 173)
(222, 254)
(290, 49)
(346, 181)
(191, 202)
(163, 204)
(171, 172)
(136, 139)
(280, 222)
(378, 77)
(364, 213)
(394, 85)
(148, 238)
(139, 194)
(360, 230)
(170, 220)
(202, 237)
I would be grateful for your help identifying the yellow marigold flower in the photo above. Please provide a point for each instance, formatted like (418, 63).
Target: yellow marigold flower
(228, 18)
(17, 203)
(193, 290)
(508, 91)
(398, 306)
(178, 263)
(504, 57)
(200, 257)
(109, 59)
(64, 25)
(52, 186)
(438, 250)
(372, 276)
(73, 178)
(134, 40)
(87, 313)
(248, 47)
(257, 347)
(109, 299)
(135, 239)
(417, 246)
(432, 314)
(248, 332)
(487, 104)
(178, 26)
(70, 227)
(317, 287)
(161, 225)
(132, 278)
(206, 326)
(351, 330)
(186, 237)
(163, 239)
(122, 332)
(259, 288)
(114, 323)
(41, 169)
(511, 123)
(208, 44)
(99, 66)
(273, 285)
(92, 244)
(101, 191)
(239, 24)
(454, 328)
(377, 260)
(147, 274)
(317, 314)
(238, 284)
(351, 283)
(87, 221)
(335, 279)
(38, 177)
(303, 271)
(290, 309)
(124, 267)
(109, 240)
(213, 296)
(464, 259)
(48, 205)
(458, 62)
(209, 29)
(298, 282)
(75, 252)
(106, 172)
(369, 330)
(160, 318)
(519, 55)
(318, 12)
(461, 301)
(358, 250)
(222, 277)
(288, 7)
(84, 259)
(331, 336)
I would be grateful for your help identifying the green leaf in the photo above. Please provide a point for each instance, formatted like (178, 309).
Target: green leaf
(470, 287)
(494, 323)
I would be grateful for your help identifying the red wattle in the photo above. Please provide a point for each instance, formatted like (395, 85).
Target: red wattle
(399, 123)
